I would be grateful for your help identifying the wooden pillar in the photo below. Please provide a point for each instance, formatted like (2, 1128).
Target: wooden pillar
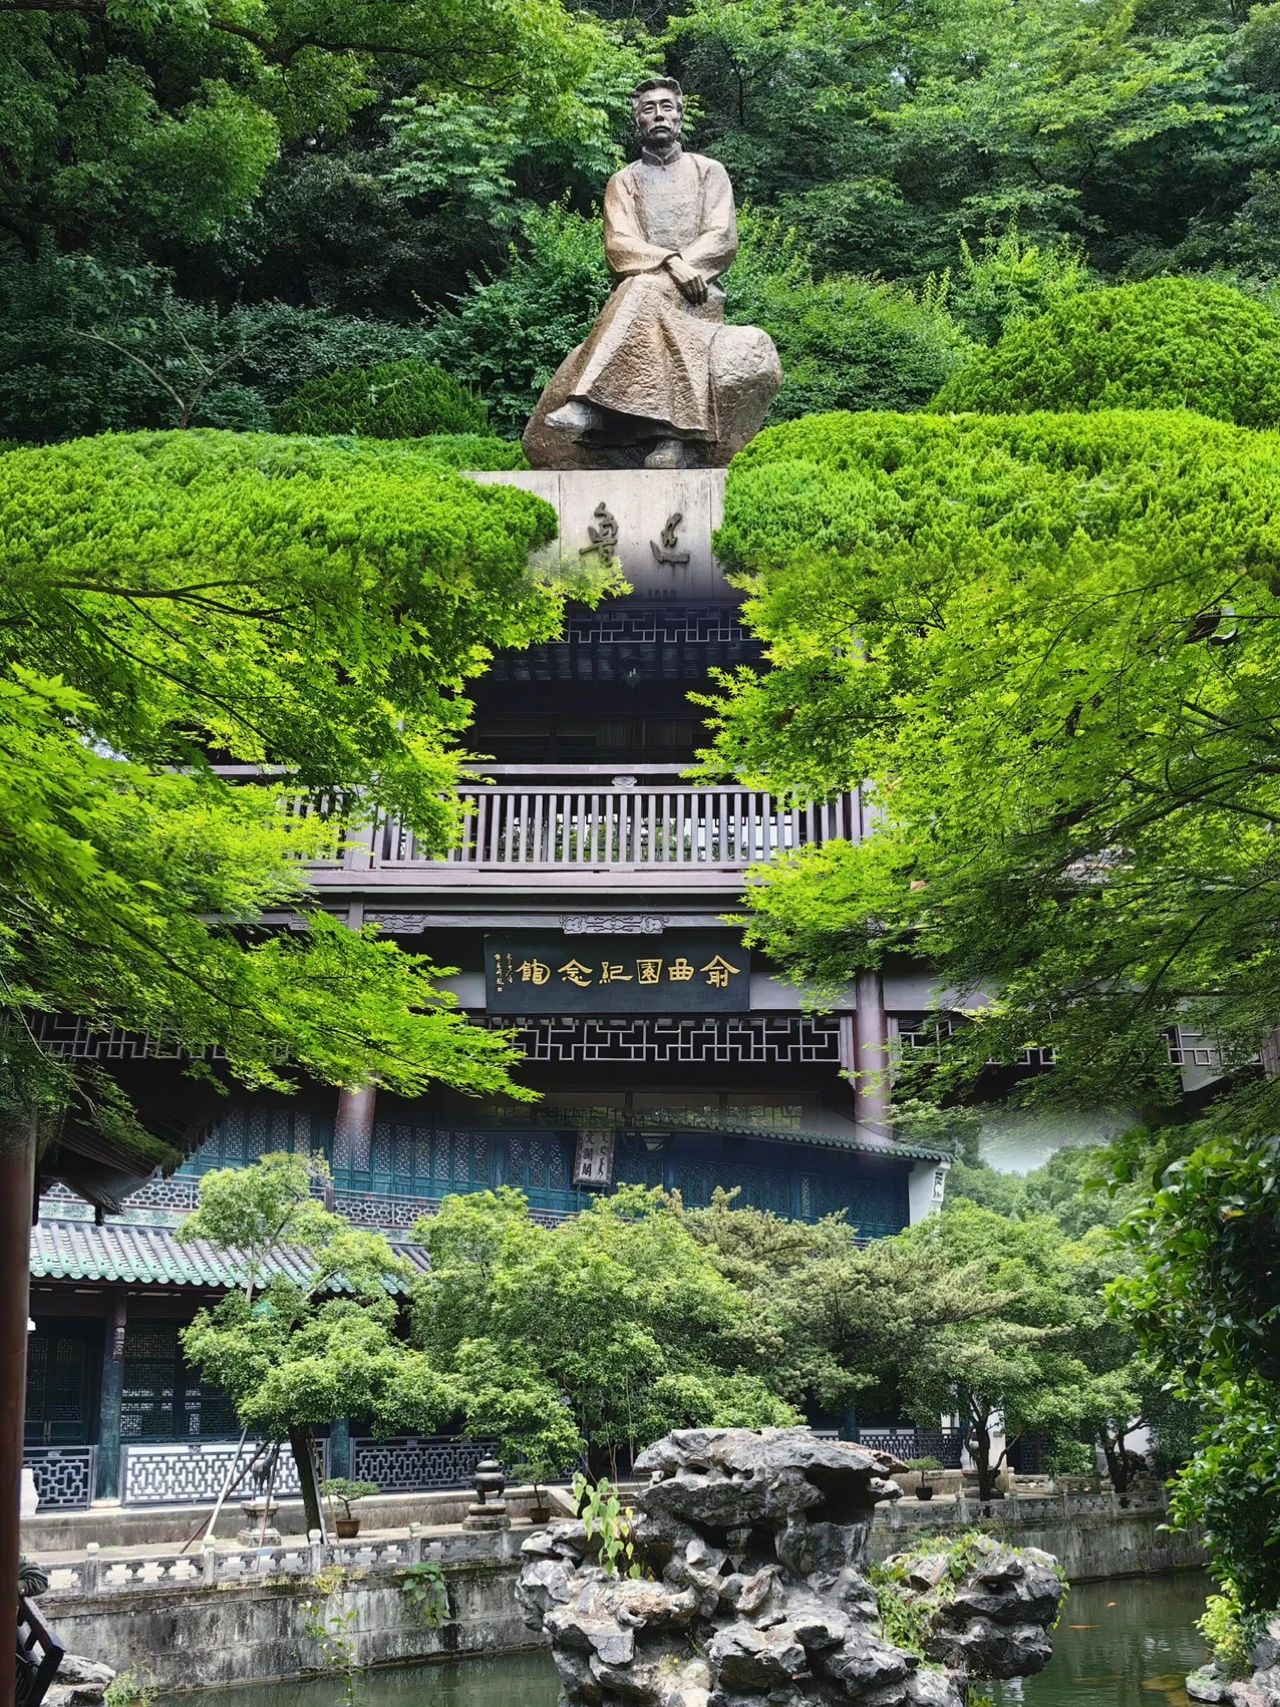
(17, 1201)
(340, 1446)
(871, 1054)
(111, 1395)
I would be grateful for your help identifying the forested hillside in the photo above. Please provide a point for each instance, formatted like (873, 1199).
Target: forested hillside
(206, 203)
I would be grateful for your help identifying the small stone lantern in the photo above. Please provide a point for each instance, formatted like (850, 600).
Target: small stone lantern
(490, 1509)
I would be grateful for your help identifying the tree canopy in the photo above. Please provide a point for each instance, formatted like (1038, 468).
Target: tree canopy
(294, 1354)
(1205, 1297)
(1042, 646)
(597, 1335)
(264, 198)
(316, 606)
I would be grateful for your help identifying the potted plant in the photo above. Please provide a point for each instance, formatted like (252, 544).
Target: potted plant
(925, 1466)
(347, 1492)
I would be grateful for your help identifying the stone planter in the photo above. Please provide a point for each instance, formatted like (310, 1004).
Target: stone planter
(346, 1528)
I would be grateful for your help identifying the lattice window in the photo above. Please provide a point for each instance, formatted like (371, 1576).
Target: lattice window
(163, 1399)
(253, 1129)
(64, 1476)
(59, 1383)
(875, 1207)
(541, 1164)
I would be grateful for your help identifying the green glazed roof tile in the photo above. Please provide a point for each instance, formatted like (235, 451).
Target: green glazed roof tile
(152, 1256)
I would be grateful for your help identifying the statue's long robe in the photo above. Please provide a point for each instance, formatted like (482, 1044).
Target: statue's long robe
(649, 354)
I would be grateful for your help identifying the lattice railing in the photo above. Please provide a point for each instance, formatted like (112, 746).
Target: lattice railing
(65, 1476)
(595, 821)
(591, 817)
(193, 1472)
(906, 1442)
(412, 1464)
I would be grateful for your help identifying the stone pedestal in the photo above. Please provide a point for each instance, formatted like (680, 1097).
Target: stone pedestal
(487, 1515)
(254, 1534)
(654, 525)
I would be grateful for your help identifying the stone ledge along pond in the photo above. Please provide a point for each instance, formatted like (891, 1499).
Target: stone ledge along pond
(1124, 1643)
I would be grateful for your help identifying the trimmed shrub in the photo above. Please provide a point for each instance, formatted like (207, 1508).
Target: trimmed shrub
(845, 342)
(473, 451)
(1166, 344)
(406, 399)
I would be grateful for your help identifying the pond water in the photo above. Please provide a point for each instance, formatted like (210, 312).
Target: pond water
(1127, 1643)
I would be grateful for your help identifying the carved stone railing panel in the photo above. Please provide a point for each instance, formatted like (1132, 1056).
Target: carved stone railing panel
(193, 1472)
(413, 1464)
(65, 1476)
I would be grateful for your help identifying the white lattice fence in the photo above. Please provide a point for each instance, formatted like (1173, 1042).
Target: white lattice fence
(192, 1472)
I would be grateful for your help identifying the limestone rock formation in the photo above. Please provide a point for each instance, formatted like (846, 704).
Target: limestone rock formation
(753, 1592)
(1262, 1689)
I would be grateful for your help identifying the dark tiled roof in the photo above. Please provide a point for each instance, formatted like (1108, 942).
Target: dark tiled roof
(148, 1254)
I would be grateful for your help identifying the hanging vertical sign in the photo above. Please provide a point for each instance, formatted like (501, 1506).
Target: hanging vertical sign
(593, 1159)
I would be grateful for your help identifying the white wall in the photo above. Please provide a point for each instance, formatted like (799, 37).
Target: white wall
(926, 1187)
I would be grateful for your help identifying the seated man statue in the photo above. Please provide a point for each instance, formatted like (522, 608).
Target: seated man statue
(661, 382)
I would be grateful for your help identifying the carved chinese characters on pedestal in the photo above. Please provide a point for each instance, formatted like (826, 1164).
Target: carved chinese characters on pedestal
(661, 382)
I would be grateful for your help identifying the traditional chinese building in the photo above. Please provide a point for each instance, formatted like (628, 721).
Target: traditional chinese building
(585, 907)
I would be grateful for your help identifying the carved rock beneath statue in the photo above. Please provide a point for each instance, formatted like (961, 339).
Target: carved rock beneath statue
(754, 1542)
(745, 373)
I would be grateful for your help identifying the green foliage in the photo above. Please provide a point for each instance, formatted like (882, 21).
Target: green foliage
(335, 1632)
(1167, 344)
(1009, 279)
(996, 572)
(426, 1589)
(1019, 1360)
(1205, 1300)
(844, 342)
(346, 1491)
(1063, 695)
(605, 1331)
(924, 1464)
(610, 1525)
(96, 132)
(836, 1322)
(407, 399)
(1074, 1186)
(1224, 1628)
(296, 1354)
(89, 347)
(508, 334)
(132, 1688)
(345, 593)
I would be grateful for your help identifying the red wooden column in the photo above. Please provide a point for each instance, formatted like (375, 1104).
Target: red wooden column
(871, 1054)
(17, 1198)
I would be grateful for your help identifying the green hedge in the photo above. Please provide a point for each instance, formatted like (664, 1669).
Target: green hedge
(1167, 344)
(405, 399)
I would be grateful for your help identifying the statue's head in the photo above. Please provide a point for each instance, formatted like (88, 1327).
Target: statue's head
(658, 105)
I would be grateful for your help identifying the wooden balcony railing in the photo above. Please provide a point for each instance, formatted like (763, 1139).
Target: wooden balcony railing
(594, 818)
